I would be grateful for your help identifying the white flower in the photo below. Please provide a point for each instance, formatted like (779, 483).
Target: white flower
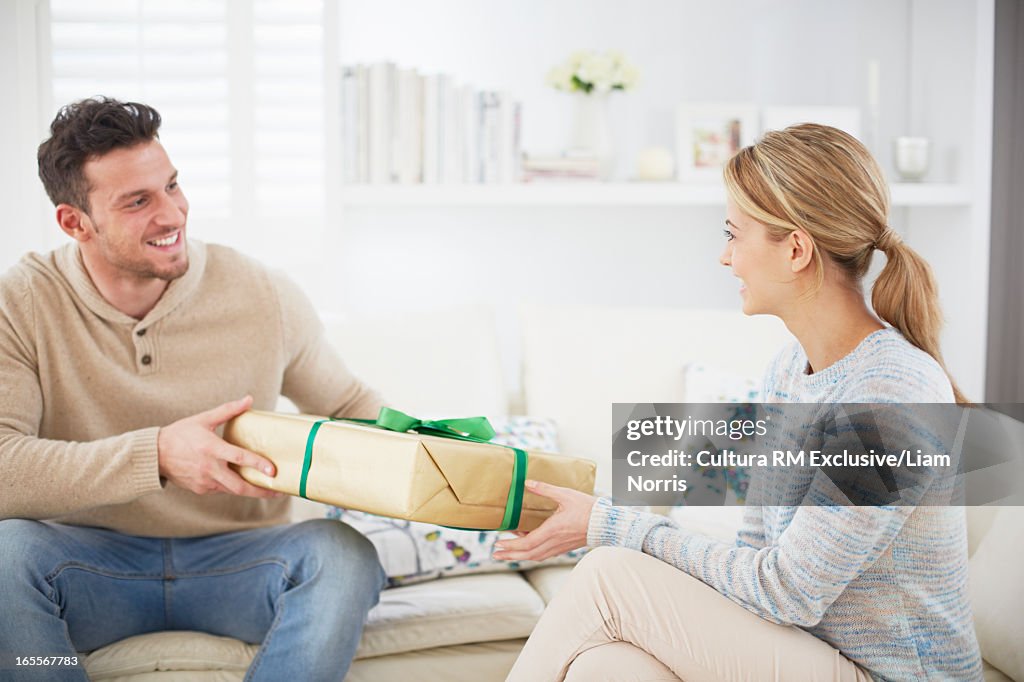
(601, 72)
(577, 58)
(628, 75)
(590, 71)
(560, 77)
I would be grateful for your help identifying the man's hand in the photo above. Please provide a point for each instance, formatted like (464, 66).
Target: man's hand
(564, 530)
(194, 457)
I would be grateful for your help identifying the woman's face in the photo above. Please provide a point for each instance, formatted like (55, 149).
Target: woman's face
(763, 265)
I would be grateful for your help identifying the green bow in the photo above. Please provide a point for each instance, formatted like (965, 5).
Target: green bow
(472, 429)
(476, 429)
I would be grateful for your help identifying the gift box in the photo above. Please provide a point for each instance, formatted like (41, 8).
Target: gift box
(441, 472)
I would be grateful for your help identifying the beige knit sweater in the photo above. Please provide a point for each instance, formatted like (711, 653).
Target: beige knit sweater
(85, 388)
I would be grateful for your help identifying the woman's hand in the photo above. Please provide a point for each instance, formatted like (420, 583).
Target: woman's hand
(564, 530)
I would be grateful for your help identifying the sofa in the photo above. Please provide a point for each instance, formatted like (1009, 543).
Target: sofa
(572, 362)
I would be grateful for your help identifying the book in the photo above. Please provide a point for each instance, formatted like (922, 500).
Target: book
(401, 126)
(380, 113)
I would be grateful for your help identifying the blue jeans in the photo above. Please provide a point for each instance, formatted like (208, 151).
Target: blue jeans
(302, 590)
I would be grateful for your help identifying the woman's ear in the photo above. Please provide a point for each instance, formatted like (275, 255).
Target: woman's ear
(801, 250)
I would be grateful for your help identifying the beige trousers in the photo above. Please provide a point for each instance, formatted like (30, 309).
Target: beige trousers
(628, 617)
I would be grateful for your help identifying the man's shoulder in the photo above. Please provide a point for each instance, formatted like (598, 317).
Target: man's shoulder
(35, 272)
(226, 258)
(229, 270)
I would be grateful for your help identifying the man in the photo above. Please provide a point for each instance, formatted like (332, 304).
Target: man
(121, 354)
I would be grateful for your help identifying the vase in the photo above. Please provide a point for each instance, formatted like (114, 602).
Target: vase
(592, 131)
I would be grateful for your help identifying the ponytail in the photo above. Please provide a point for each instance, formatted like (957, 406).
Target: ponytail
(905, 296)
(825, 182)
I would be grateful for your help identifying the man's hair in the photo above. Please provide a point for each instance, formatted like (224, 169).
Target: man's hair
(87, 130)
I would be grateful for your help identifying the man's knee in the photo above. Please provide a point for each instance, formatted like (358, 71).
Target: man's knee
(21, 539)
(338, 549)
(23, 545)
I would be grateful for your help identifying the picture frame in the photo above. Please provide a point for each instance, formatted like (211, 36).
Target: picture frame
(707, 135)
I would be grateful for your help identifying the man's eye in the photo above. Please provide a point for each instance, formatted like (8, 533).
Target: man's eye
(141, 201)
(173, 186)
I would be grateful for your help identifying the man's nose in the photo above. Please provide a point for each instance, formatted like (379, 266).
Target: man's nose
(172, 211)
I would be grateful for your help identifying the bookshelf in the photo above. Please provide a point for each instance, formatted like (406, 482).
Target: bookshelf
(607, 194)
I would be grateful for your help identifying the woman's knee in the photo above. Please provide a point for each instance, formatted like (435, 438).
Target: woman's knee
(618, 662)
(603, 573)
(606, 560)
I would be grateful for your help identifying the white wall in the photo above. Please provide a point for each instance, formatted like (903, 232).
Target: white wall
(768, 52)
(27, 225)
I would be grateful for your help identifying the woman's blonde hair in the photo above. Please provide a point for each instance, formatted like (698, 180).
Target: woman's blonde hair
(823, 181)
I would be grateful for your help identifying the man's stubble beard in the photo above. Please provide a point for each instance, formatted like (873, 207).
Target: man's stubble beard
(141, 268)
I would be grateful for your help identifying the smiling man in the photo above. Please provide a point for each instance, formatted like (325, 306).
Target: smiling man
(121, 354)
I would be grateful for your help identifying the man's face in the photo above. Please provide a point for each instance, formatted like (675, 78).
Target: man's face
(137, 213)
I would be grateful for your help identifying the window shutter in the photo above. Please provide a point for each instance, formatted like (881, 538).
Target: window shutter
(240, 87)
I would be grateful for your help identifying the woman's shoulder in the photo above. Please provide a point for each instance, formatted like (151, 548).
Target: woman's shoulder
(884, 368)
(888, 368)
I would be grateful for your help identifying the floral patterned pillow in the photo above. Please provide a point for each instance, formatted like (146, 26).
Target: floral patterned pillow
(708, 384)
(413, 552)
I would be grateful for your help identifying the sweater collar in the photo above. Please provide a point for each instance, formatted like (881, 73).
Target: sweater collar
(69, 261)
(835, 372)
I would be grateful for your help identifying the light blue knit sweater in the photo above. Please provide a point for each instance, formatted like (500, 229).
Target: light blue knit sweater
(886, 586)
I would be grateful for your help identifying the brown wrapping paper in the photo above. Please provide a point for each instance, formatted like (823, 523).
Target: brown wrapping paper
(401, 475)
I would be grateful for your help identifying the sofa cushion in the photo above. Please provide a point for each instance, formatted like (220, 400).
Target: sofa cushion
(413, 552)
(997, 593)
(437, 361)
(703, 383)
(449, 612)
(991, 674)
(160, 651)
(463, 663)
(548, 579)
(460, 610)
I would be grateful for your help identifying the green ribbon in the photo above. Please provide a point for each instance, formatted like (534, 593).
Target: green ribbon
(472, 429)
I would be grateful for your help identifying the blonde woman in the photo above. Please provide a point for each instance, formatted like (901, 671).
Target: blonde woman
(818, 593)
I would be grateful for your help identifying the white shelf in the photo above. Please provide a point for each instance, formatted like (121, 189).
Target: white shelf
(600, 194)
(930, 194)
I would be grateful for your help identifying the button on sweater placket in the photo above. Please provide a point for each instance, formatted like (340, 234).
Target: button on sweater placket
(145, 352)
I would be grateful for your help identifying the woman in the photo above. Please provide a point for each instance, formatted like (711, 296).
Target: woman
(873, 592)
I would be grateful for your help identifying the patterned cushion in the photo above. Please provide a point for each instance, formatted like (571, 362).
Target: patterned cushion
(413, 552)
(708, 384)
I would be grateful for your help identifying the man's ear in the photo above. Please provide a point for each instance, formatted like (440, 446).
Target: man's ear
(801, 250)
(75, 222)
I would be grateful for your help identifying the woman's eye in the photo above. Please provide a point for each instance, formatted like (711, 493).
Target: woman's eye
(729, 236)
